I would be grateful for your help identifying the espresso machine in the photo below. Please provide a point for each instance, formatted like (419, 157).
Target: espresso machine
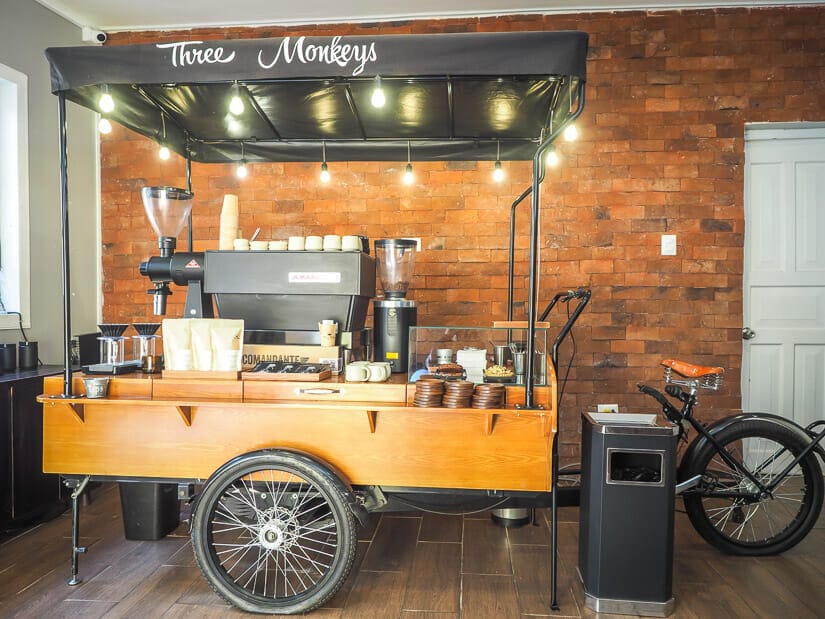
(394, 314)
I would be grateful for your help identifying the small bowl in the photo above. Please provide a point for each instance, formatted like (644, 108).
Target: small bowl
(97, 387)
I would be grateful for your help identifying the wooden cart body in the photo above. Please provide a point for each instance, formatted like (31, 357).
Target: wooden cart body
(370, 433)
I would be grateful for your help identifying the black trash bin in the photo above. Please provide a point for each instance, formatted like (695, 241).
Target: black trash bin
(150, 510)
(626, 514)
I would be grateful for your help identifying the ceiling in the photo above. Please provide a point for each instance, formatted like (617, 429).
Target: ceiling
(124, 15)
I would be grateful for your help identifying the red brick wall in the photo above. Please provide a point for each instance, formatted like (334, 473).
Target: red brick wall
(661, 151)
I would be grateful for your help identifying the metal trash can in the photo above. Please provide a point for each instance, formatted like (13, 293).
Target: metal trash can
(626, 514)
(150, 510)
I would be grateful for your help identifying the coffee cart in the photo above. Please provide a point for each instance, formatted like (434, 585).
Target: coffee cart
(282, 470)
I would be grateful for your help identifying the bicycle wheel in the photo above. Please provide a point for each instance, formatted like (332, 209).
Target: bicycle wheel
(272, 533)
(724, 509)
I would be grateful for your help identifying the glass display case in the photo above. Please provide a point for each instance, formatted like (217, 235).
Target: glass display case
(484, 354)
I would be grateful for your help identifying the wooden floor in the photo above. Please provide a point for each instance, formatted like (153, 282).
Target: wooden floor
(409, 566)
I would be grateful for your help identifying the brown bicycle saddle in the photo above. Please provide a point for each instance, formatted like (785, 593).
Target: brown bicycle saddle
(689, 370)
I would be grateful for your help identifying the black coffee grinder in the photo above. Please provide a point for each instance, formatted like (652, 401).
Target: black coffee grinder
(394, 315)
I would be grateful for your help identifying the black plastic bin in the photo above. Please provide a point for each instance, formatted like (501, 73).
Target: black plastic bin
(626, 514)
(150, 510)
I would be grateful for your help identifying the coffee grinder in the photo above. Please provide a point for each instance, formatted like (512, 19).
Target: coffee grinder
(394, 315)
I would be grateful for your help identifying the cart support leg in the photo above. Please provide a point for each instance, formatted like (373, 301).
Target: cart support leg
(79, 486)
(554, 529)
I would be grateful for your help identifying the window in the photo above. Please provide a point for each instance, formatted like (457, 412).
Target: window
(14, 198)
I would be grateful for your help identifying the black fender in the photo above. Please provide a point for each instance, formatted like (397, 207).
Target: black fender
(771, 420)
(332, 473)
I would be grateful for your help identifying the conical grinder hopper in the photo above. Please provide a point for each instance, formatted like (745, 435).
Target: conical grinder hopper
(395, 261)
(167, 209)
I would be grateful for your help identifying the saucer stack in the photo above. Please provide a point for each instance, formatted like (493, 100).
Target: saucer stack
(488, 395)
(428, 392)
(457, 394)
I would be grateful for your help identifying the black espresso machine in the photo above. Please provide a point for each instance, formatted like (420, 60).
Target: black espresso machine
(280, 295)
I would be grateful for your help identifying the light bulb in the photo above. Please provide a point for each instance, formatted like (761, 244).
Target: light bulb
(552, 157)
(324, 173)
(498, 173)
(378, 98)
(408, 175)
(241, 170)
(164, 153)
(104, 126)
(106, 103)
(236, 105)
(571, 133)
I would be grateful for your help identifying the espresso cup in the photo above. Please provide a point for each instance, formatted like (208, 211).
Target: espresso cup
(259, 245)
(314, 243)
(295, 243)
(357, 373)
(350, 243)
(241, 244)
(332, 242)
(379, 371)
(277, 245)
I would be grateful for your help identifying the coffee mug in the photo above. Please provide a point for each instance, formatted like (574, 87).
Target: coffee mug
(241, 244)
(314, 243)
(259, 245)
(295, 243)
(277, 245)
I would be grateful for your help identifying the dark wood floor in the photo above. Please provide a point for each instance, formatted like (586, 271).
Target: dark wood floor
(409, 566)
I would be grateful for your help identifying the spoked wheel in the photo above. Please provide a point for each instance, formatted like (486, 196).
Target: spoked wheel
(727, 509)
(272, 533)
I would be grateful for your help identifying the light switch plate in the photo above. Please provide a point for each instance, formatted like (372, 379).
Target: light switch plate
(668, 244)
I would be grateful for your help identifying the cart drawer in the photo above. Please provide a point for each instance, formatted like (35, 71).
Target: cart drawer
(323, 391)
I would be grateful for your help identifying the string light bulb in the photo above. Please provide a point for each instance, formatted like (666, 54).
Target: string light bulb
(408, 171)
(552, 157)
(378, 98)
(164, 153)
(241, 171)
(570, 132)
(104, 126)
(106, 103)
(498, 173)
(236, 106)
(324, 169)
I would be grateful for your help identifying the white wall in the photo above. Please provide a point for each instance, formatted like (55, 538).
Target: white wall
(26, 30)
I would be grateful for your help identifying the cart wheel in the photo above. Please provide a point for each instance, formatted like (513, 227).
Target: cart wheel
(272, 533)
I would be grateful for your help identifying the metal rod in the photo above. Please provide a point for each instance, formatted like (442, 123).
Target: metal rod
(512, 257)
(77, 550)
(189, 218)
(64, 239)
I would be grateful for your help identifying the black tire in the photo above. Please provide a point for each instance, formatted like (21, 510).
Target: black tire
(748, 525)
(272, 533)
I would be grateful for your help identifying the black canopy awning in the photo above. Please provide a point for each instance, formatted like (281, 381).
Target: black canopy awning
(468, 96)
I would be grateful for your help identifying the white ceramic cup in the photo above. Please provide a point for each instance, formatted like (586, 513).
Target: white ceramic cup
(357, 373)
(241, 244)
(295, 243)
(278, 245)
(332, 242)
(259, 245)
(350, 243)
(379, 371)
(314, 243)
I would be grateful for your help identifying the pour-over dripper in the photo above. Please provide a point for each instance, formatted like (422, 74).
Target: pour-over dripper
(146, 328)
(395, 259)
(112, 329)
(167, 209)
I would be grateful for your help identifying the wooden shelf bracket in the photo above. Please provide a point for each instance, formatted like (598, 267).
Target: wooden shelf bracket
(372, 418)
(185, 413)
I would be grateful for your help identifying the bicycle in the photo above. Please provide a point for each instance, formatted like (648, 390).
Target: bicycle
(751, 483)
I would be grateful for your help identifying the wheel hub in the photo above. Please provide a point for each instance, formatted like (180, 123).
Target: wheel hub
(279, 531)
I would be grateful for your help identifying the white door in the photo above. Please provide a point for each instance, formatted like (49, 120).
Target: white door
(783, 365)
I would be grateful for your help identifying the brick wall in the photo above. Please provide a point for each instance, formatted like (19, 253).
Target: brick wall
(661, 151)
